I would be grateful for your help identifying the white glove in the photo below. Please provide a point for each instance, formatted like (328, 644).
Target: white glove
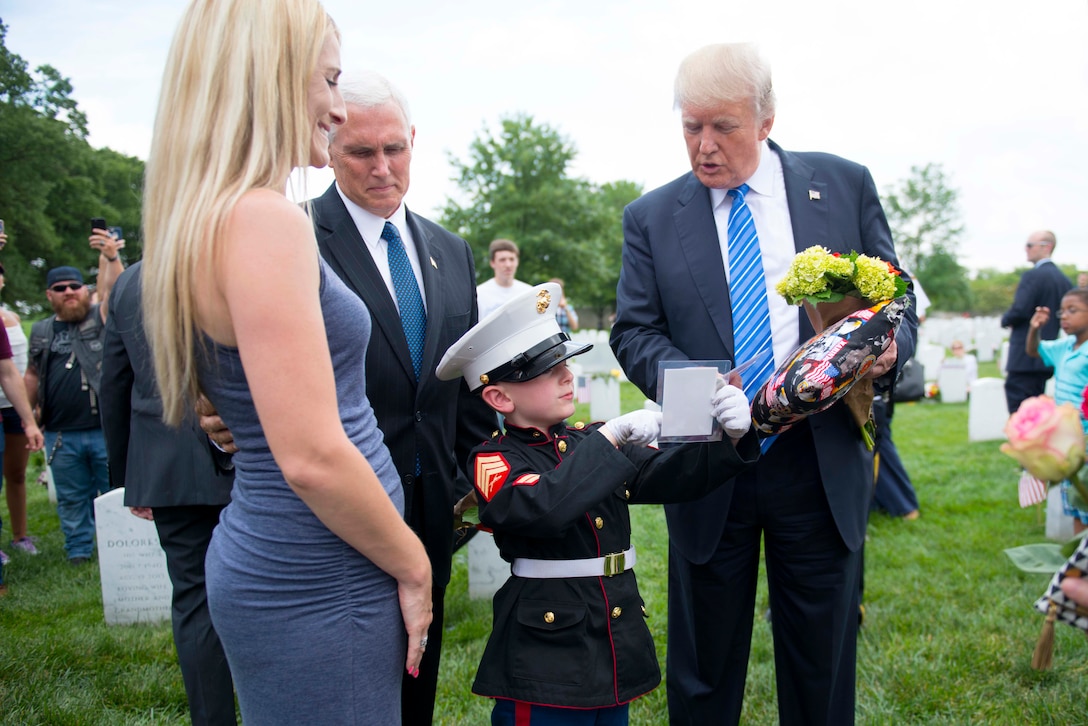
(730, 406)
(637, 427)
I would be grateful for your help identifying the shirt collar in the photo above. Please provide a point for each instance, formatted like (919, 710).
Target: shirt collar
(370, 225)
(761, 182)
(536, 436)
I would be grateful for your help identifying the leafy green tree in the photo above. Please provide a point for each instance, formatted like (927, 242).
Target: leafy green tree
(992, 291)
(924, 216)
(517, 186)
(52, 182)
(946, 282)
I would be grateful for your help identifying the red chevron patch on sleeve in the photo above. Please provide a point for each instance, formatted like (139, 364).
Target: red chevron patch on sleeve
(491, 471)
(527, 480)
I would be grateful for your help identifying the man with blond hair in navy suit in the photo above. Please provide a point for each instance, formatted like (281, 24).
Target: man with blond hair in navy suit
(808, 497)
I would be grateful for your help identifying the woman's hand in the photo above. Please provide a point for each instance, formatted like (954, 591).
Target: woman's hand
(415, 608)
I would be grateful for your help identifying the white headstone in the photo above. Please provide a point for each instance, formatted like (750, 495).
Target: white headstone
(987, 411)
(487, 571)
(930, 356)
(952, 382)
(1059, 525)
(50, 486)
(604, 397)
(1003, 359)
(135, 585)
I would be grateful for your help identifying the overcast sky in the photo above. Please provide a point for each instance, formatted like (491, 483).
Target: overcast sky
(996, 92)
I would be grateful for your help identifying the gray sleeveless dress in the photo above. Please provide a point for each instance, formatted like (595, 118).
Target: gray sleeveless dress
(311, 628)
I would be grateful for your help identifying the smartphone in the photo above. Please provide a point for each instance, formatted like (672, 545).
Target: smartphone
(116, 232)
(97, 223)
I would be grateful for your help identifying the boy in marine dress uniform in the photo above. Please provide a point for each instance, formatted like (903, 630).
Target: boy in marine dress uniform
(569, 642)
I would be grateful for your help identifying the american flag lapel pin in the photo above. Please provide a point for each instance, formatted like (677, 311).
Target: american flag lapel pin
(813, 195)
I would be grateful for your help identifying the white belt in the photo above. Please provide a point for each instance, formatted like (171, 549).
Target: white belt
(606, 566)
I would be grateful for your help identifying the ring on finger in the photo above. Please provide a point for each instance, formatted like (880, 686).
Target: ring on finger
(423, 642)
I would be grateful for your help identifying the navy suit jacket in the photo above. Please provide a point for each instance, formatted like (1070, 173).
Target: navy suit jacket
(1043, 284)
(438, 421)
(158, 465)
(673, 303)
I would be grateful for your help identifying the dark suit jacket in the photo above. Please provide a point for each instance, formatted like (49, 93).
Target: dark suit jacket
(673, 304)
(440, 421)
(169, 467)
(1045, 285)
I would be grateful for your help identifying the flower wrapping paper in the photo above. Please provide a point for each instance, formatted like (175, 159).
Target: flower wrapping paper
(827, 366)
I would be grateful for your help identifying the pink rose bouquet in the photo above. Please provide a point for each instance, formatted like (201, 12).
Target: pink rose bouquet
(1047, 440)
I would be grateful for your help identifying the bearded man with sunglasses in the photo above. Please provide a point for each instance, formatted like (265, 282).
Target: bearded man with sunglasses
(62, 380)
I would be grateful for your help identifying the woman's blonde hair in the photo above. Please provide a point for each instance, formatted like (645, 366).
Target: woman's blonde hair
(233, 116)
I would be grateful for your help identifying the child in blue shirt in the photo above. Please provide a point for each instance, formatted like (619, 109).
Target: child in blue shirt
(1068, 356)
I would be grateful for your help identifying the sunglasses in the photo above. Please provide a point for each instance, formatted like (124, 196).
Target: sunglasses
(67, 286)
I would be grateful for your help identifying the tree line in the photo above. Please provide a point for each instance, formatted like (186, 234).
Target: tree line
(515, 183)
(52, 182)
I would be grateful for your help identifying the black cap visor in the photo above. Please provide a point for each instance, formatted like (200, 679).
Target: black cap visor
(538, 360)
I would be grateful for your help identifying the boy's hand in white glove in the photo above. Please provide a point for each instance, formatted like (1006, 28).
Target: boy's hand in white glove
(637, 427)
(730, 407)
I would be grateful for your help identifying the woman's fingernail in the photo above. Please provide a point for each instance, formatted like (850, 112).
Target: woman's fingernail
(414, 673)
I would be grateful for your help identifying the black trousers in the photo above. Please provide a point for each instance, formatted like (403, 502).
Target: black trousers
(813, 582)
(1021, 385)
(184, 534)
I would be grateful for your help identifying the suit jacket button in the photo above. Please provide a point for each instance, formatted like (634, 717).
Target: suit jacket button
(599, 522)
(419, 415)
(549, 617)
(616, 612)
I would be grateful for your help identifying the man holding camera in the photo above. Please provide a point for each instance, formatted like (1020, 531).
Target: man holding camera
(62, 378)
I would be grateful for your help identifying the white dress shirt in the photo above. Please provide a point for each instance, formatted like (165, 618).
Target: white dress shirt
(370, 226)
(766, 200)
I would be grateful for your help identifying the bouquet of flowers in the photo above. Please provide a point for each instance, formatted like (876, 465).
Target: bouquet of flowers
(855, 303)
(818, 275)
(1048, 441)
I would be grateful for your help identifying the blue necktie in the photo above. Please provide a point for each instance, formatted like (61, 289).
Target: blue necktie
(413, 318)
(748, 296)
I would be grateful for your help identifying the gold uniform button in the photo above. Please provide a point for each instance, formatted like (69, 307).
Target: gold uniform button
(536, 434)
(644, 613)
(549, 617)
(580, 425)
(562, 447)
(494, 433)
(626, 493)
(599, 522)
(616, 612)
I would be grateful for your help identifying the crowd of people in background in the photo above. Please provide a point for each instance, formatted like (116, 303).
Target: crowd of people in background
(308, 528)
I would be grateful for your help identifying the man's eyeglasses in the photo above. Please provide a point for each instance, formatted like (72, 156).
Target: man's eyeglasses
(67, 286)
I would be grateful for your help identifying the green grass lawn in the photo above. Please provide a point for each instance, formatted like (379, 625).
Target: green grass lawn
(948, 638)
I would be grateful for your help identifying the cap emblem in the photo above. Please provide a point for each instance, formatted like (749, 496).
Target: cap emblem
(543, 301)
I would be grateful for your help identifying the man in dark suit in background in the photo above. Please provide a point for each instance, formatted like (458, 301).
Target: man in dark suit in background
(1043, 285)
(429, 425)
(809, 495)
(177, 479)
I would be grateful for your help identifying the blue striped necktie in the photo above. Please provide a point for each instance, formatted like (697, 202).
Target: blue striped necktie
(413, 318)
(748, 297)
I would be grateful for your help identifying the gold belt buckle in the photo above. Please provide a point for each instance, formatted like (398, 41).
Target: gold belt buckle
(614, 564)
